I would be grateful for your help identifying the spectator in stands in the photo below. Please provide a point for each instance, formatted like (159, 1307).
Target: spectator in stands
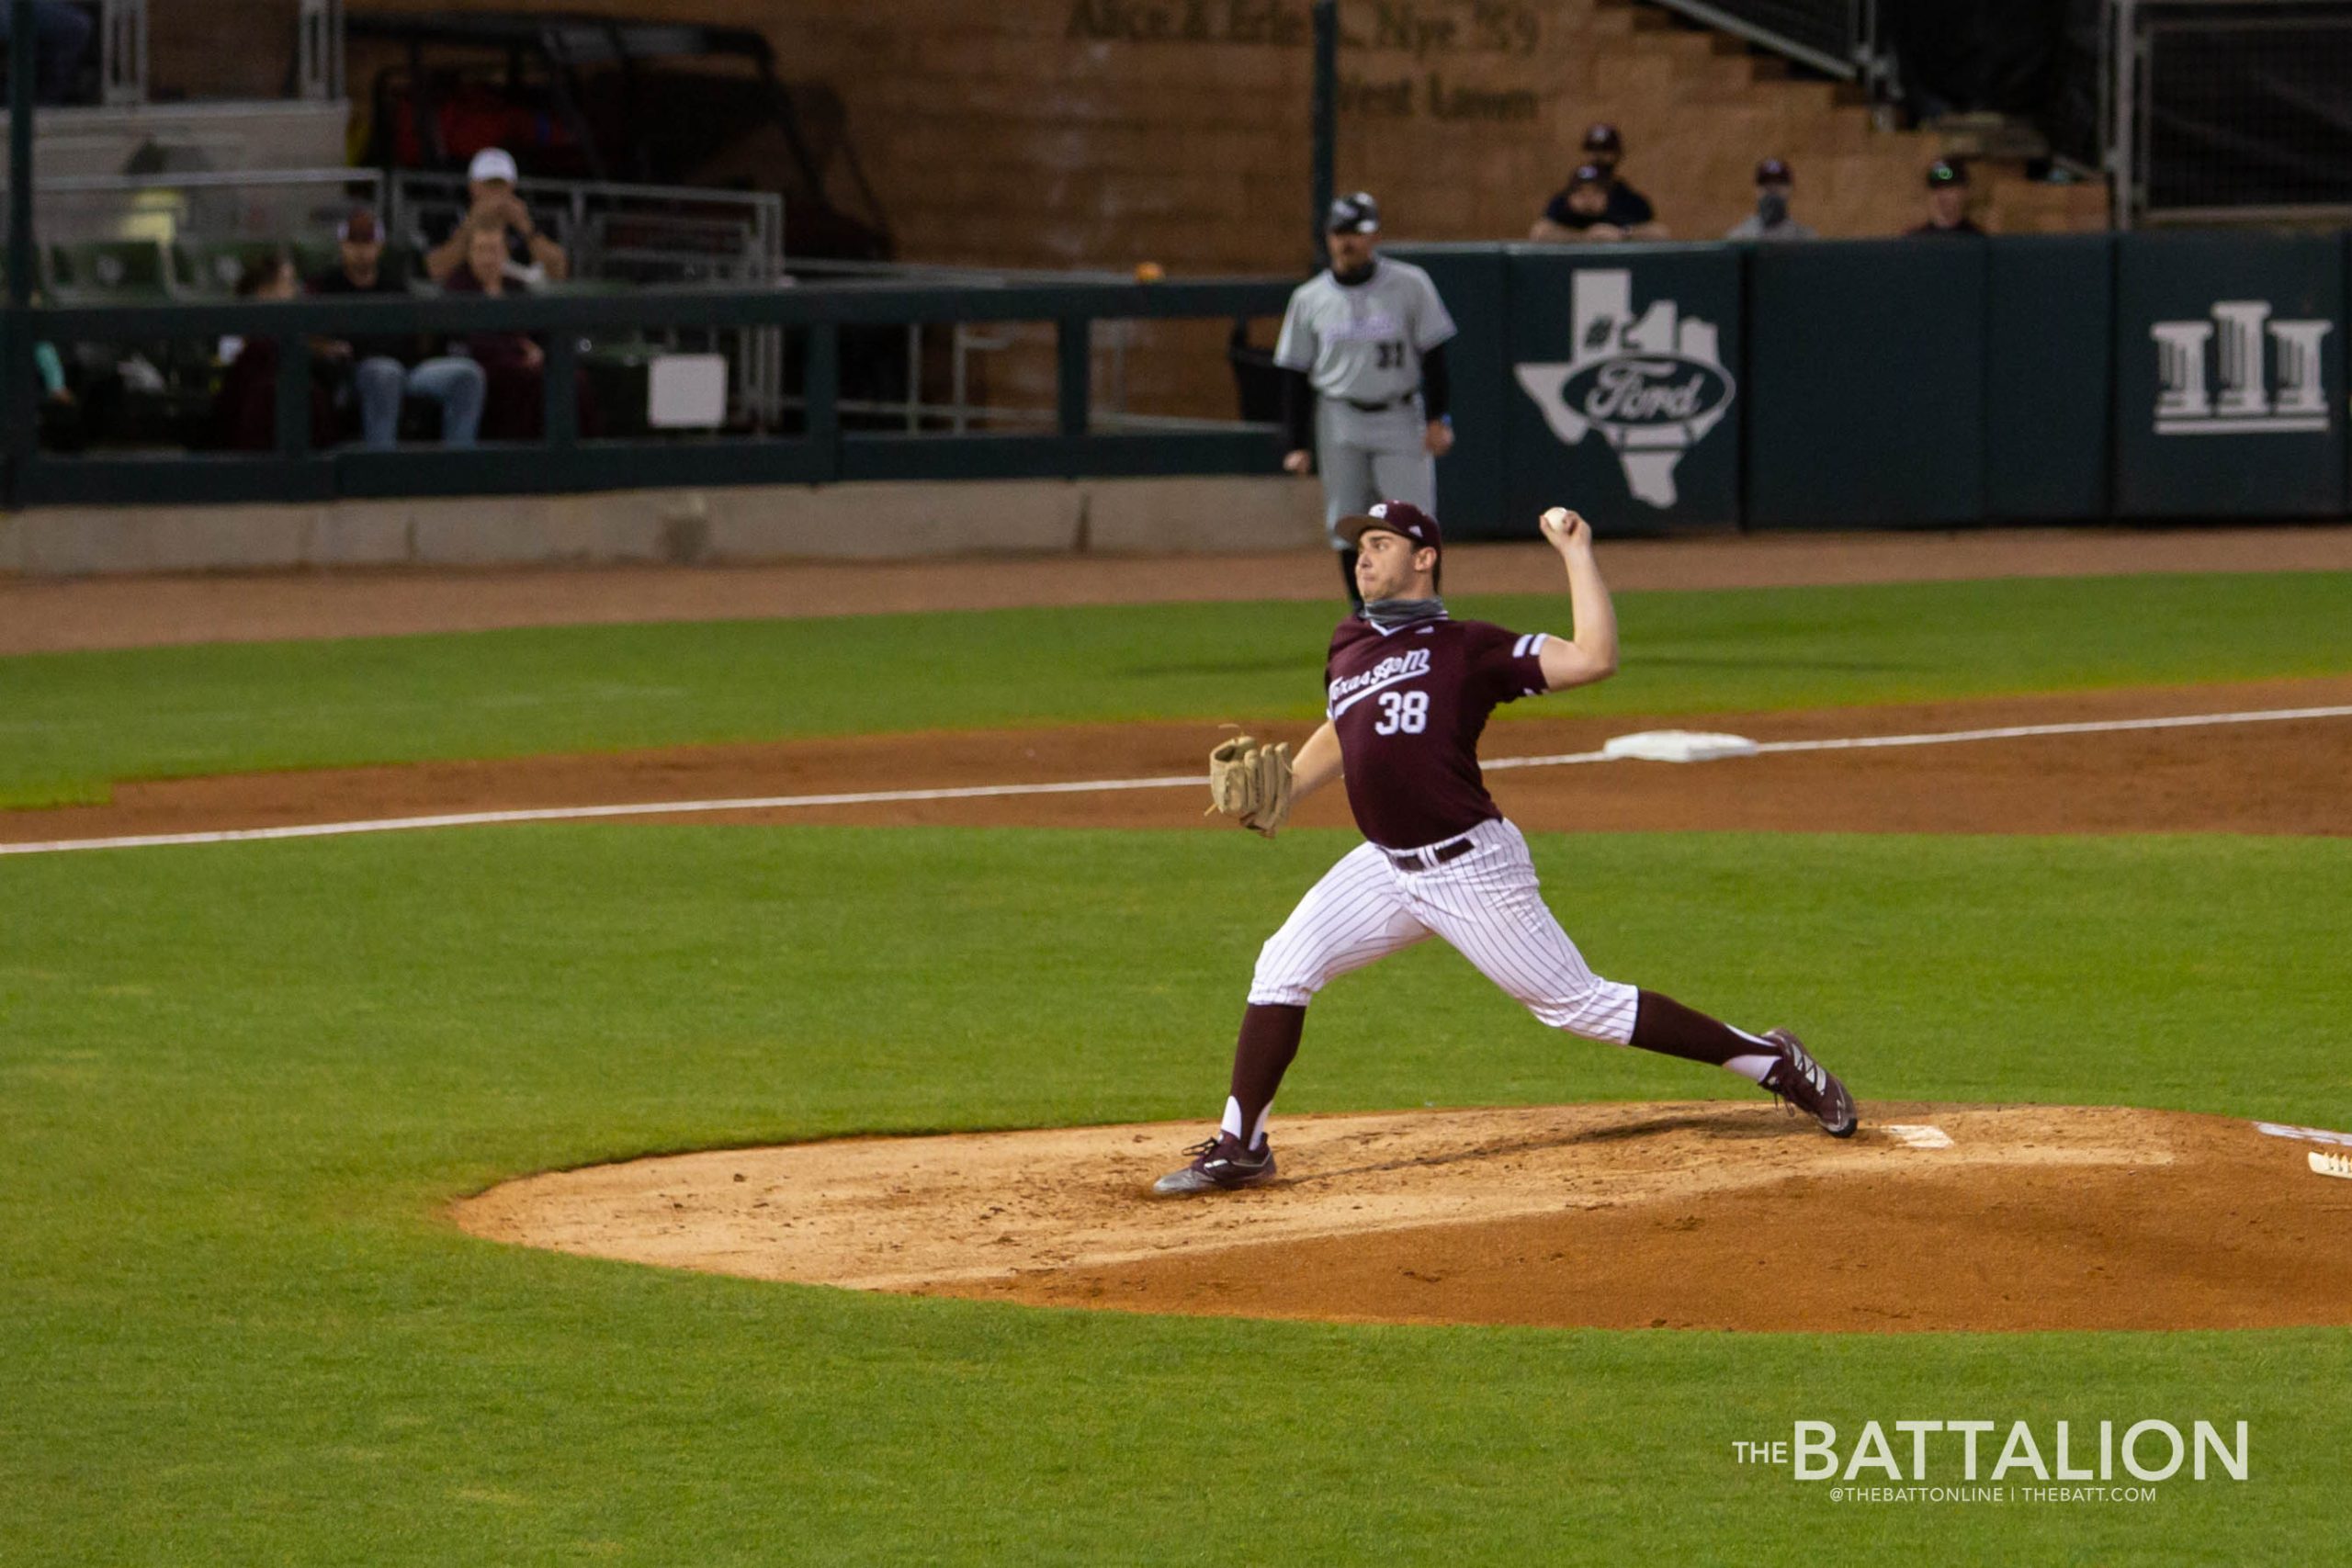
(512, 363)
(1624, 209)
(1580, 212)
(531, 258)
(245, 410)
(60, 37)
(1948, 200)
(383, 370)
(1770, 220)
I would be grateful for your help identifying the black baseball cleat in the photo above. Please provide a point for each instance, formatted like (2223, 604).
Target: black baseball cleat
(1218, 1166)
(1813, 1089)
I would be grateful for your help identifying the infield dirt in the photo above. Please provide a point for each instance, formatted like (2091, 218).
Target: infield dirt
(2279, 777)
(1709, 1214)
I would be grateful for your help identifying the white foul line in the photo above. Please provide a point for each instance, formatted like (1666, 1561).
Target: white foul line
(1080, 786)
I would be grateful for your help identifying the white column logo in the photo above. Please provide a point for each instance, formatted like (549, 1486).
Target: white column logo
(2240, 373)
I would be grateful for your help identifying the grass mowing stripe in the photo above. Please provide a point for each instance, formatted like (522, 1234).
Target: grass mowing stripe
(73, 723)
(235, 1330)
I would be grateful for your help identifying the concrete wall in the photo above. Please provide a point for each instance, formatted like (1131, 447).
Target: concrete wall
(1141, 516)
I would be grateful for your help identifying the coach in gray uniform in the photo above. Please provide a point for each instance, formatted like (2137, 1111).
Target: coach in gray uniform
(1363, 353)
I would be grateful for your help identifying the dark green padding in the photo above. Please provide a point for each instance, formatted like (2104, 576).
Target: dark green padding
(1866, 384)
(2048, 362)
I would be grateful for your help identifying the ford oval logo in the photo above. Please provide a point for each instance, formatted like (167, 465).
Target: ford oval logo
(1647, 388)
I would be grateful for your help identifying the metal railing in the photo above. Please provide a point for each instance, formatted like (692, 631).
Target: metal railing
(967, 342)
(121, 46)
(670, 233)
(641, 234)
(122, 51)
(624, 234)
(319, 51)
(1836, 38)
(2229, 111)
(1076, 444)
(236, 204)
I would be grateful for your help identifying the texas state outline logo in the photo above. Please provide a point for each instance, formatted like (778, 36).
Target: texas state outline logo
(1654, 386)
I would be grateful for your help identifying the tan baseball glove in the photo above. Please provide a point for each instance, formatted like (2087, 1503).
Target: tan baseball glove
(1251, 782)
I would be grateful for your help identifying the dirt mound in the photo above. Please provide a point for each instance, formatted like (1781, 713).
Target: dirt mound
(1709, 1214)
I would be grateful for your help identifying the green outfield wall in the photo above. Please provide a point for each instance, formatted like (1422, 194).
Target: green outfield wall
(1899, 383)
(1881, 383)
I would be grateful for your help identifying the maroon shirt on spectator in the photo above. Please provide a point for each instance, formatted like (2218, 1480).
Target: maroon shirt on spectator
(491, 351)
(244, 408)
(513, 407)
(1408, 707)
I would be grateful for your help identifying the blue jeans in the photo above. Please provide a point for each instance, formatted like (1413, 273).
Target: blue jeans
(61, 36)
(457, 385)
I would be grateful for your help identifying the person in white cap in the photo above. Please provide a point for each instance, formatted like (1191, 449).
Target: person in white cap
(531, 258)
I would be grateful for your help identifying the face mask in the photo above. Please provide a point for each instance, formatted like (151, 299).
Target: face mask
(1387, 615)
(1771, 207)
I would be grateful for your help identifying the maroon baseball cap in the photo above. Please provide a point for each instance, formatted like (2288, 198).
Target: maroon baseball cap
(1604, 138)
(360, 228)
(1398, 517)
(1774, 171)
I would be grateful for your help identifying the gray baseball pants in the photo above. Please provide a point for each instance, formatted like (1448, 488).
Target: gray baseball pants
(1367, 457)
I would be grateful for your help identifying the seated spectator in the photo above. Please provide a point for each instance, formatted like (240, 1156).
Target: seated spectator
(1770, 220)
(531, 258)
(244, 409)
(1579, 214)
(1946, 200)
(514, 363)
(60, 37)
(382, 371)
(1625, 209)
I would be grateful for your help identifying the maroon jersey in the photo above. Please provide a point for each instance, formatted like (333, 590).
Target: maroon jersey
(1409, 705)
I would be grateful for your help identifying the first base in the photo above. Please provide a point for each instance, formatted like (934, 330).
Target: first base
(1677, 746)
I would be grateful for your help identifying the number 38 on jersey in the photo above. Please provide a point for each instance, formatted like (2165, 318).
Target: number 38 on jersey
(1403, 713)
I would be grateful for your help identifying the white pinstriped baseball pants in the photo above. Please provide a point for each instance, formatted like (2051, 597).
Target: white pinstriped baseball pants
(1485, 903)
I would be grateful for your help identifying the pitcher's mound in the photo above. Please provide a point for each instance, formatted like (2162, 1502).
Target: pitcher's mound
(1710, 1214)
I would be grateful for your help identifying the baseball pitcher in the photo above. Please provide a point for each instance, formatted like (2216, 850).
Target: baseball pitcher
(1362, 352)
(1407, 690)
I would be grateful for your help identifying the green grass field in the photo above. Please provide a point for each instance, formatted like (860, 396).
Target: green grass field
(238, 1084)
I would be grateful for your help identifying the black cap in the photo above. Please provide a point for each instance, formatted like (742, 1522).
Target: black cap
(1944, 171)
(1774, 172)
(1356, 214)
(1398, 517)
(1588, 175)
(1604, 138)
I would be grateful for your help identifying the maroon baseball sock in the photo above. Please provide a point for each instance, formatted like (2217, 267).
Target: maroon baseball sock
(1666, 1026)
(1269, 1039)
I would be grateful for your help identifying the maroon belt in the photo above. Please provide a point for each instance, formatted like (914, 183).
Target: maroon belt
(1428, 860)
